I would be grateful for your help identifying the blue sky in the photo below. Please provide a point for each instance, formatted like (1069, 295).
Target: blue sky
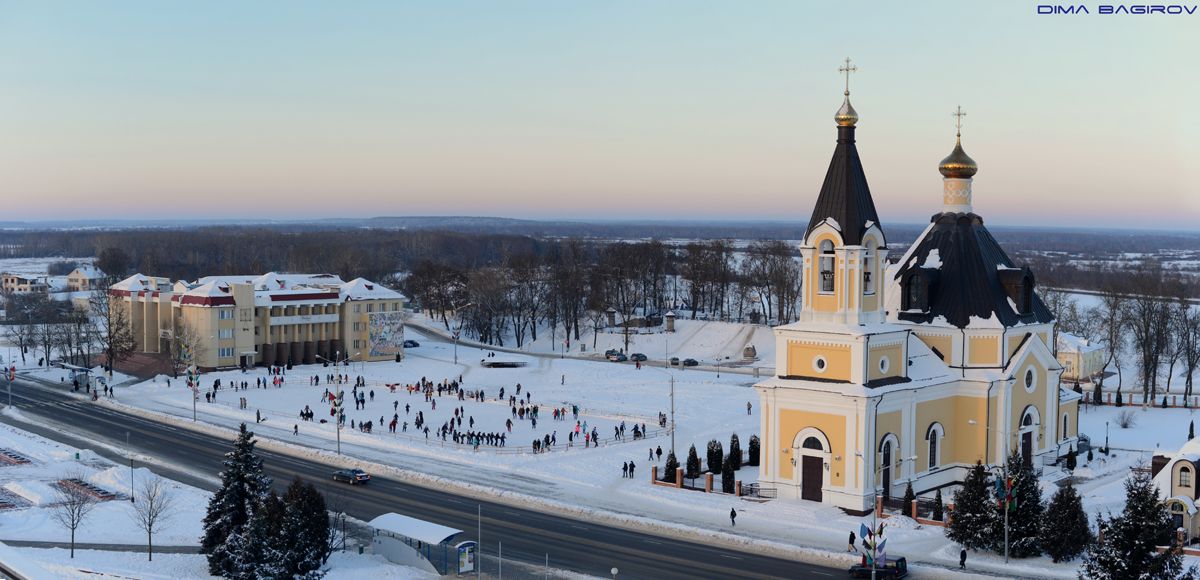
(583, 110)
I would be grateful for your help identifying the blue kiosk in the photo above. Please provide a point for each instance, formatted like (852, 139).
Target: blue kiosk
(425, 545)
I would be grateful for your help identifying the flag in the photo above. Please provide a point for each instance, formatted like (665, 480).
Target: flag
(863, 531)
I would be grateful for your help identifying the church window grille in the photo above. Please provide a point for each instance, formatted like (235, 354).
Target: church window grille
(1030, 383)
(826, 262)
(812, 443)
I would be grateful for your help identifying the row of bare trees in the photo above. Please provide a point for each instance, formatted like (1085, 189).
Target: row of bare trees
(1144, 316)
(571, 286)
(43, 327)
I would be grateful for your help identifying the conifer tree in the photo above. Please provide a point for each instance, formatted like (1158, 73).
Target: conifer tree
(256, 551)
(735, 452)
(1065, 533)
(243, 488)
(715, 455)
(727, 475)
(304, 530)
(939, 511)
(1127, 547)
(692, 470)
(909, 498)
(973, 512)
(670, 468)
(1024, 512)
(753, 451)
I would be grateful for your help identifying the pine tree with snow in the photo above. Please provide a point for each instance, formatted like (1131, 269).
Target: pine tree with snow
(304, 531)
(971, 518)
(727, 475)
(256, 551)
(243, 488)
(1025, 512)
(735, 452)
(753, 451)
(670, 469)
(909, 498)
(1127, 545)
(1065, 533)
(715, 455)
(939, 510)
(692, 471)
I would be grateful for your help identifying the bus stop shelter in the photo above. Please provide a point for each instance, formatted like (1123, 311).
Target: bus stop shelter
(421, 544)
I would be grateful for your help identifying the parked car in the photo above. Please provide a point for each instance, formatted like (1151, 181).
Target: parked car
(351, 476)
(897, 568)
(674, 361)
(411, 344)
(611, 352)
(618, 357)
(690, 362)
(637, 357)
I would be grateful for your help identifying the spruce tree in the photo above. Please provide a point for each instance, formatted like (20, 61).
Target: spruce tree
(1065, 533)
(735, 452)
(304, 530)
(1024, 512)
(727, 475)
(971, 518)
(670, 468)
(256, 551)
(243, 488)
(1127, 548)
(715, 455)
(753, 451)
(939, 511)
(692, 470)
(909, 498)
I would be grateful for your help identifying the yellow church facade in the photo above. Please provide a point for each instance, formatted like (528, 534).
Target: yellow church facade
(909, 372)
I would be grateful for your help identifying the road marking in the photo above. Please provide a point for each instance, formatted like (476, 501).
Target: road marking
(649, 541)
(819, 572)
(730, 557)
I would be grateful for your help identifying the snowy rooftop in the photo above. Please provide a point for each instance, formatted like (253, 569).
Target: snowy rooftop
(1071, 343)
(409, 527)
(88, 271)
(216, 290)
(361, 289)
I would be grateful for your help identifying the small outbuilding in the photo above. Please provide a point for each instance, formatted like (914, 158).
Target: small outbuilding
(421, 544)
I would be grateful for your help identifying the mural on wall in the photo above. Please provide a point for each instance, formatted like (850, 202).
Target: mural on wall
(386, 333)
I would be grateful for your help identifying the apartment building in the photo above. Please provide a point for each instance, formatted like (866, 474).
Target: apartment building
(23, 284)
(264, 320)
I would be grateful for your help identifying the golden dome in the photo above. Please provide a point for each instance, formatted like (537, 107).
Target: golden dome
(846, 116)
(958, 165)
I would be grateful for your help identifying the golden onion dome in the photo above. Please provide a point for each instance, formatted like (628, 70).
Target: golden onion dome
(958, 165)
(846, 116)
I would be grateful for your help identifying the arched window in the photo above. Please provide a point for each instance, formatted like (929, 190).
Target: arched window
(826, 263)
(934, 436)
(868, 272)
(1064, 433)
(1185, 477)
(812, 443)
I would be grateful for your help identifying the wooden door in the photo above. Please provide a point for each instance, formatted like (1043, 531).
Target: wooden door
(811, 477)
(1027, 449)
(887, 470)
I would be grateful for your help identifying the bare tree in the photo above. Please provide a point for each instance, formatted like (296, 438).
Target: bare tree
(1109, 317)
(113, 329)
(156, 506)
(185, 347)
(71, 507)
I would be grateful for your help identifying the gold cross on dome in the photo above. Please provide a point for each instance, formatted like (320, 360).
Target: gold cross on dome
(847, 68)
(958, 115)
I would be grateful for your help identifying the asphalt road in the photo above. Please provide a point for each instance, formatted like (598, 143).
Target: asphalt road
(527, 536)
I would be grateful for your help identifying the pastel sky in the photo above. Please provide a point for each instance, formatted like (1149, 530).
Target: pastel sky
(589, 109)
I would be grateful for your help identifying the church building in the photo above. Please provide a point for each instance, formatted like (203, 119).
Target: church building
(910, 372)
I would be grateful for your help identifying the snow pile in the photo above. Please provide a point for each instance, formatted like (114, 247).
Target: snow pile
(39, 493)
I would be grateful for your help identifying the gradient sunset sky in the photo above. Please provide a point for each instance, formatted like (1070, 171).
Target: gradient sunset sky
(588, 110)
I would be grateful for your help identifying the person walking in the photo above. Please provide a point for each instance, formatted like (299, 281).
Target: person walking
(625, 469)
(658, 452)
(851, 547)
(748, 407)
(651, 458)
(962, 559)
(295, 429)
(733, 517)
(631, 468)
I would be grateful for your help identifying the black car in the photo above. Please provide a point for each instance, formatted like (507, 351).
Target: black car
(690, 362)
(411, 344)
(351, 476)
(637, 357)
(618, 357)
(897, 568)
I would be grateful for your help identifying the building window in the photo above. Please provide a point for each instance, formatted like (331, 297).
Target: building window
(225, 333)
(934, 436)
(1063, 435)
(884, 364)
(357, 308)
(868, 274)
(370, 308)
(225, 314)
(244, 313)
(819, 363)
(826, 262)
(1185, 477)
(1030, 382)
(225, 352)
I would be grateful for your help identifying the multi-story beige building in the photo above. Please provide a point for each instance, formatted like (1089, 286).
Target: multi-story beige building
(270, 319)
(22, 284)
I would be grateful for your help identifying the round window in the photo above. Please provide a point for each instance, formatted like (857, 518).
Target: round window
(1029, 380)
(884, 364)
(819, 364)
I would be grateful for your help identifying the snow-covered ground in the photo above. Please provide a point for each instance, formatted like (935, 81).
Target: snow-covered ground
(89, 564)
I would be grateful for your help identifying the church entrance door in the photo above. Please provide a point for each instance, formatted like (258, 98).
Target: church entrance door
(810, 478)
(887, 470)
(1027, 449)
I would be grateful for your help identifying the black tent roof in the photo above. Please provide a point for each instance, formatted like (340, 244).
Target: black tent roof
(845, 196)
(975, 277)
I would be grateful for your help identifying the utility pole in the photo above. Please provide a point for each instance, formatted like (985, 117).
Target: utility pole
(129, 450)
(478, 540)
(672, 413)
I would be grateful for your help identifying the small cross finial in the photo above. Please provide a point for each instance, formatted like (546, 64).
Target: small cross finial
(958, 115)
(847, 68)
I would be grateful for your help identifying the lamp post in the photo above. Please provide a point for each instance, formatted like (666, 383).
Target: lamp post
(1004, 476)
(129, 451)
(337, 405)
(673, 414)
(874, 508)
(1106, 437)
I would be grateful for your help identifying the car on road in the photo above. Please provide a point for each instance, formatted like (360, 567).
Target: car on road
(411, 344)
(690, 362)
(611, 352)
(351, 476)
(897, 568)
(637, 357)
(617, 357)
(674, 361)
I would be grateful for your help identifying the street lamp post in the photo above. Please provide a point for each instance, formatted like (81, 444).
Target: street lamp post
(874, 507)
(1004, 477)
(337, 405)
(129, 450)
(673, 413)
